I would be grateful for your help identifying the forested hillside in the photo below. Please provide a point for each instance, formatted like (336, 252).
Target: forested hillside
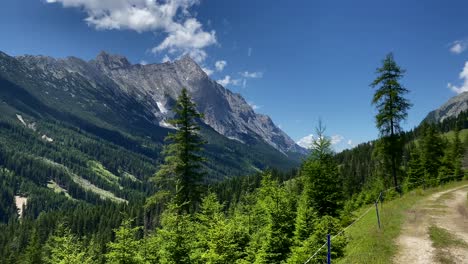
(76, 187)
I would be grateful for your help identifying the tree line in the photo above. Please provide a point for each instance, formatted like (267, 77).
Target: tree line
(268, 217)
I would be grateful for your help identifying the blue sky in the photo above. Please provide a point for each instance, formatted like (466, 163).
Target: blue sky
(296, 61)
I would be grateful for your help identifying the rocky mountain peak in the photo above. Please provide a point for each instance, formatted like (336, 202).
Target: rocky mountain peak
(112, 61)
(452, 108)
(156, 87)
(189, 66)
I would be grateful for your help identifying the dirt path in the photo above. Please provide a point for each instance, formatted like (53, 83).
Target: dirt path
(447, 210)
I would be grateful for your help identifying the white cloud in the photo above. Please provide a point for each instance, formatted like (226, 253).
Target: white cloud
(249, 52)
(188, 38)
(307, 141)
(335, 139)
(184, 34)
(458, 46)
(207, 71)
(220, 65)
(143, 62)
(254, 106)
(463, 76)
(251, 75)
(166, 59)
(229, 81)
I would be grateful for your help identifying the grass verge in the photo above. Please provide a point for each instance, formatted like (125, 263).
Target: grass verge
(442, 239)
(368, 244)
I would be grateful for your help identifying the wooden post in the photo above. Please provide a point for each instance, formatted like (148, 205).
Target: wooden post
(381, 201)
(329, 249)
(377, 211)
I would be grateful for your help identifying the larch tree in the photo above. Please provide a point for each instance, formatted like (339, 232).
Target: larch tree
(392, 108)
(181, 173)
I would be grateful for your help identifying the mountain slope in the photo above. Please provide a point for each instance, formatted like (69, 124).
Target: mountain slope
(93, 129)
(452, 108)
(156, 86)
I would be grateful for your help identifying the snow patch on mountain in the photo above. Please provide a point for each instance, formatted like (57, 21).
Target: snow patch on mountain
(20, 118)
(46, 138)
(162, 107)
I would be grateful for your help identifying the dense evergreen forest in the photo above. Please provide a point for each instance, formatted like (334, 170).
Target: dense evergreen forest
(146, 210)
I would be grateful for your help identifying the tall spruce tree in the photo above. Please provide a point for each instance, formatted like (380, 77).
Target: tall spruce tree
(392, 108)
(456, 153)
(33, 252)
(65, 248)
(415, 170)
(323, 190)
(278, 205)
(432, 152)
(181, 171)
(125, 248)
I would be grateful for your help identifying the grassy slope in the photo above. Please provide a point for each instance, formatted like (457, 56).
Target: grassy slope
(368, 244)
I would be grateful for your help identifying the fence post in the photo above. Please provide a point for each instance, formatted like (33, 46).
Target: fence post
(377, 211)
(329, 249)
(381, 201)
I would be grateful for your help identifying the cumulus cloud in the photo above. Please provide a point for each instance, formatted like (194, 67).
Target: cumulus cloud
(251, 75)
(184, 34)
(338, 142)
(307, 141)
(227, 80)
(254, 106)
(220, 65)
(458, 46)
(143, 62)
(208, 71)
(335, 139)
(188, 38)
(463, 76)
(166, 59)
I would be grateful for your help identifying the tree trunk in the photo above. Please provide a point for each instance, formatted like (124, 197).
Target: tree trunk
(393, 154)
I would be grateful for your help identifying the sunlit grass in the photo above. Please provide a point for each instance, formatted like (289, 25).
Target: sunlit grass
(368, 244)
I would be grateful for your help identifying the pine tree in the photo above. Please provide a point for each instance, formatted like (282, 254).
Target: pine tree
(219, 239)
(126, 248)
(392, 108)
(323, 226)
(321, 196)
(432, 152)
(415, 169)
(33, 252)
(320, 176)
(456, 152)
(175, 237)
(278, 205)
(65, 248)
(181, 171)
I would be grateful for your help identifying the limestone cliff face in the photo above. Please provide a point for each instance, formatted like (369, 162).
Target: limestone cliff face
(156, 87)
(451, 108)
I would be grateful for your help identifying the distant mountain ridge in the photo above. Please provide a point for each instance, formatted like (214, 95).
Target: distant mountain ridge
(156, 86)
(128, 105)
(452, 108)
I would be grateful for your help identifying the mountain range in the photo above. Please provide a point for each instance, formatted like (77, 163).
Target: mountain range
(452, 108)
(123, 105)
